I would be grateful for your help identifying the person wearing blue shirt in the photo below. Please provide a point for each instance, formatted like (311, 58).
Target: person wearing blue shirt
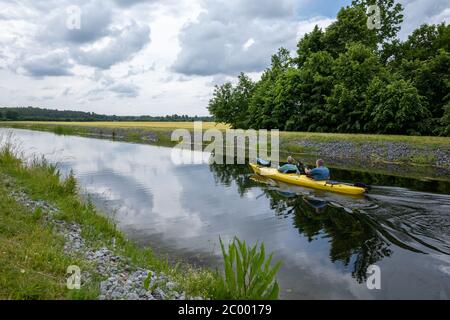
(319, 173)
(289, 167)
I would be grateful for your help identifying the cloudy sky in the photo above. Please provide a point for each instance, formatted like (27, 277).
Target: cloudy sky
(156, 57)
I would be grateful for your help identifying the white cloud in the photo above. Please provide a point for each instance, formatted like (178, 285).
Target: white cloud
(95, 20)
(248, 44)
(121, 47)
(418, 12)
(153, 56)
(234, 36)
(52, 64)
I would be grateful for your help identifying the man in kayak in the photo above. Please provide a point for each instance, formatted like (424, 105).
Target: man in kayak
(319, 173)
(289, 167)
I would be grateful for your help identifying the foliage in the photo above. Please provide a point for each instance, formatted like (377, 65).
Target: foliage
(350, 79)
(395, 106)
(248, 274)
(391, 18)
(40, 114)
(230, 103)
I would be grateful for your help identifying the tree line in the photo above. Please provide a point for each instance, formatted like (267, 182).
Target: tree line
(39, 114)
(350, 79)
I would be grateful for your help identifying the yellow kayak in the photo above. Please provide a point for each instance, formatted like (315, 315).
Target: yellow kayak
(305, 181)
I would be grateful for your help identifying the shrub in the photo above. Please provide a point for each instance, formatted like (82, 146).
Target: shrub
(248, 274)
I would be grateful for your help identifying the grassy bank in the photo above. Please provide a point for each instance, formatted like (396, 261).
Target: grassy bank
(286, 137)
(414, 156)
(32, 258)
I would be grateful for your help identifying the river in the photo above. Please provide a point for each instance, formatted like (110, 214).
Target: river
(325, 241)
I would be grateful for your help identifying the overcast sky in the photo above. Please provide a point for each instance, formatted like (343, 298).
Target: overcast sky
(155, 57)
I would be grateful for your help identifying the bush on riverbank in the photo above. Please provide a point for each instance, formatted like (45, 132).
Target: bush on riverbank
(248, 273)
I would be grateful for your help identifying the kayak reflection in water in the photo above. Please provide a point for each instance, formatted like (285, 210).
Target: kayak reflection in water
(317, 204)
(320, 173)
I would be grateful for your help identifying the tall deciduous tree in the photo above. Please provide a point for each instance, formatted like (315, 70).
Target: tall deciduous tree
(391, 18)
(353, 71)
(350, 27)
(230, 103)
(395, 107)
(350, 78)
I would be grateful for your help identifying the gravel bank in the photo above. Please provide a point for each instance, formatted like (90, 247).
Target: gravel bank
(122, 279)
(375, 152)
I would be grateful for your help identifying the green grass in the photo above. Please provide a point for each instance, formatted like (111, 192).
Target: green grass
(134, 137)
(32, 261)
(422, 159)
(363, 138)
(285, 137)
(63, 130)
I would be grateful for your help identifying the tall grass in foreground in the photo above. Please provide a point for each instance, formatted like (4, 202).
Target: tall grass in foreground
(248, 274)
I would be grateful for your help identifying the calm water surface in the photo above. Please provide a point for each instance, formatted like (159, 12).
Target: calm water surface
(326, 241)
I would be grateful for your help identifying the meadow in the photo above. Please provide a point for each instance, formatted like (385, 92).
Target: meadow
(126, 124)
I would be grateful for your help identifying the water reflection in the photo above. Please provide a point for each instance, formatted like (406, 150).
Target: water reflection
(360, 232)
(353, 240)
(326, 241)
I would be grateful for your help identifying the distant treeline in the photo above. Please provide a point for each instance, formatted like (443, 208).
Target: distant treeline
(39, 114)
(349, 78)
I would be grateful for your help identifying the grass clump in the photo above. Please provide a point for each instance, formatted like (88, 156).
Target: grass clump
(423, 159)
(248, 274)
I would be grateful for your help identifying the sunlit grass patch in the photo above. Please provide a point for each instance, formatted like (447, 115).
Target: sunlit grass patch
(126, 124)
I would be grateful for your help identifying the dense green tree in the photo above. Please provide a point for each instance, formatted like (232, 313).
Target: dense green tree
(425, 42)
(395, 107)
(230, 103)
(40, 114)
(350, 27)
(351, 78)
(391, 18)
(310, 43)
(12, 115)
(432, 78)
(314, 84)
(353, 71)
(286, 101)
(261, 104)
(445, 121)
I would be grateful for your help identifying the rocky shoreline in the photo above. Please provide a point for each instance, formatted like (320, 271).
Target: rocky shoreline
(394, 152)
(121, 279)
